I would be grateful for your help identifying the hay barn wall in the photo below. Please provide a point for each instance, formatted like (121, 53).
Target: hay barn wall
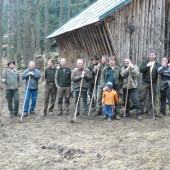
(150, 18)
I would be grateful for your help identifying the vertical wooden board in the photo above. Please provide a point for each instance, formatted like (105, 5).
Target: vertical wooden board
(134, 23)
(145, 29)
(163, 29)
(119, 20)
(149, 28)
(142, 33)
(137, 31)
(122, 38)
(99, 27)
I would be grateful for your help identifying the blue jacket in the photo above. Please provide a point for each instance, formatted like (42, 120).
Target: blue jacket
(33, 84)
(165, 73)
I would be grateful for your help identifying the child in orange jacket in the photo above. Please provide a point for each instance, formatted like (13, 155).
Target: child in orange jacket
(109, 98)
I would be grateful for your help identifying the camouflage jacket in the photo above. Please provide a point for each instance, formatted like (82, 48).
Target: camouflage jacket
(134, 72)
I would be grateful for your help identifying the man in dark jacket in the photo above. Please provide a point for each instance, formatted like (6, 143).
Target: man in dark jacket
(147, 67)
(112, 73)
(63, 84)
(105, 63)
(92, 69)
(32, 88)
(164, 71)
(12, 82)
(77, 75)
(50, 88)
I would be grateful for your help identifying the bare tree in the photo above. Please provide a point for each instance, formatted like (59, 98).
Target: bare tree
(69, 9)
(10, 31)
(25, 50)
(46, 24)
(18, 35)
(1, 30)
(61, 13)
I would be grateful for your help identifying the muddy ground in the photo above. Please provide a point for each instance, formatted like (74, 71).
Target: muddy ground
(55, 143)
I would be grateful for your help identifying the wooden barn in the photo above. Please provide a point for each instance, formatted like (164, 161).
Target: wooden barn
(116, 27)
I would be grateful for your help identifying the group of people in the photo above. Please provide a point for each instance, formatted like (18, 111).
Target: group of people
(104, 79)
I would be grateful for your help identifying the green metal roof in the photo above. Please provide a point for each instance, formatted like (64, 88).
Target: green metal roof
(94, 13)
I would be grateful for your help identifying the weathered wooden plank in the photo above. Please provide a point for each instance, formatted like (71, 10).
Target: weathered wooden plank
(105, 35)
(86, 42)
(163, 29)
(97, 41)
(100, 40)
(112, 42)
(102, 36)
(94, 49)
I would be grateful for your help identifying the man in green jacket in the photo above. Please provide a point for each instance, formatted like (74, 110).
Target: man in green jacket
(112, 74)
(77, 75)
(92, 69)
(50, 88)
(105, 63)
(133, 70)
(12, 82)
(147, 67)
(63, 84)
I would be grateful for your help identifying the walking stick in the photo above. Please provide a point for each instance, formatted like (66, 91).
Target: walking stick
(94, 89)
(159, 78)
(2, 98)
(152, 92)
(127, 93)
(43, 114)
(74, 118)
(24, 100)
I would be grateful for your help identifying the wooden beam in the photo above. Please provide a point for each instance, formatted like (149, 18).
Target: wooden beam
(107, 40)
(101, 43)
(103, 40)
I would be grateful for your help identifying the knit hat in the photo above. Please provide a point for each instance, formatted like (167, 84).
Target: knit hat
(109, 85)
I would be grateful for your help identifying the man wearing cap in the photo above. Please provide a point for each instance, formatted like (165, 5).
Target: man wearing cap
(34, 75)
(50, 88)
(12, 82)
(92, 69)
(63, 84)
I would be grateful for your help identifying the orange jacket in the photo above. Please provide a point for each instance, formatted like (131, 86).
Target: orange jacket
(110, 97)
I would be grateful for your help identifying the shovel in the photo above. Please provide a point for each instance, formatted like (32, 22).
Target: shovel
(94, 89)
(20, 120)
(127, 93)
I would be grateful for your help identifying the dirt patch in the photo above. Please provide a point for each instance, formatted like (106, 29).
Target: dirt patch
(55, 143)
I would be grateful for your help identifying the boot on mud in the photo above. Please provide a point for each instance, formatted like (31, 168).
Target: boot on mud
(139, 117)
(109, 119)
(126, 115)
(93, 109)
(25, 114)
(149, 113)
(77, 114)
(105, 116)
(86, 113)
(32, 112)
(50, 113)
(117, 117)
(59, 113)
(17, 114)
(159, 115)
(98, 113)
(11, 115)
(66, 113)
